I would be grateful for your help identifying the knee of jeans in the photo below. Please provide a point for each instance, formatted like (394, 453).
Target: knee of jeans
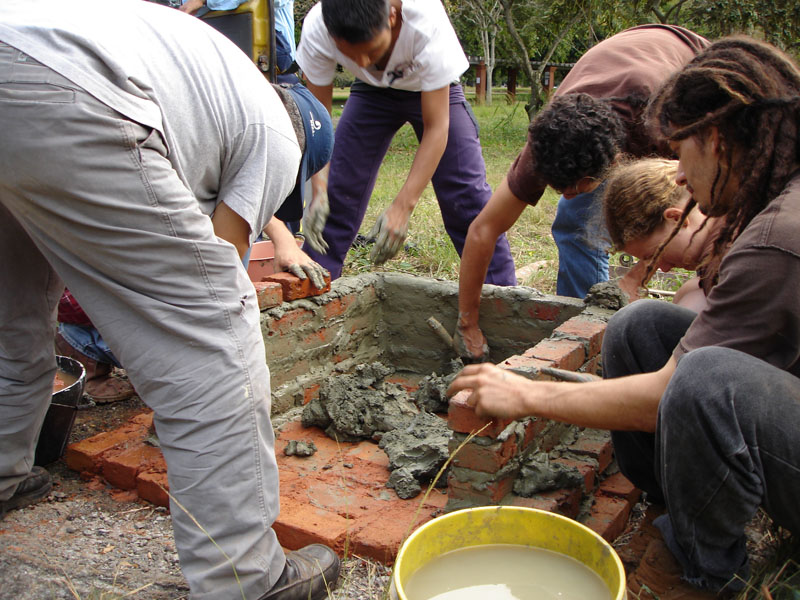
(698, 381)
(628, 321)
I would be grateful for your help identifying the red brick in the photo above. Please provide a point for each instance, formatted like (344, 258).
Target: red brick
(599, 448)
(290, 322)
(620, 486)
(310, 392)
(549, 504)
(585, 329)
(295, 288)
(153, 487)
(300, 524)
(565, 502)
(545, 312)
(609, 516)
(487, 459)
(490, 493)
(564, 354)
(593, 365)
(87, 455)
(587, 471)
(381, 536)
(339, 306)
(524, 361)
(120, 469)
(462, 418)
(269, 294)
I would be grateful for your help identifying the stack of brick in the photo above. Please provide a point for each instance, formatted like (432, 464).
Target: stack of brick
(489, 453)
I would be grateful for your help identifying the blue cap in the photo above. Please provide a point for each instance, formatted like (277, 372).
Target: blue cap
(317, 153)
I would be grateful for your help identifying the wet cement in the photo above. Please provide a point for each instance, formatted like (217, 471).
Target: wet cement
(363, 405)
(606, 294)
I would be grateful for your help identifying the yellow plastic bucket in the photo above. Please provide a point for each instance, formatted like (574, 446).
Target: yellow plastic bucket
(508, 525)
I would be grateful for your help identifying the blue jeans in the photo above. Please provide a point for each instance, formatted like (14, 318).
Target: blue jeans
(726, 442)
(88, 341)
(578, 231)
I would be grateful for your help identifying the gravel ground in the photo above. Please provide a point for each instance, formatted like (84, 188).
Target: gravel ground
(88, 542)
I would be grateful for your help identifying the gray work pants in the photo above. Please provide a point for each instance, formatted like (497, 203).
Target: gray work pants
(88, 198)
(727, 441)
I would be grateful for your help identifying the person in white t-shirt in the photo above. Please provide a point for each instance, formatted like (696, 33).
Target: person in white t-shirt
(407, 61)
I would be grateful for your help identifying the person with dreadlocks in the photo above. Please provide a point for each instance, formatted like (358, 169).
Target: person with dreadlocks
(595, 115)
(649, 216)
(704, 407)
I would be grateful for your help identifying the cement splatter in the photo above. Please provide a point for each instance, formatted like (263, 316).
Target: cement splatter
(606, 294)
(362, 405)
(300, 448)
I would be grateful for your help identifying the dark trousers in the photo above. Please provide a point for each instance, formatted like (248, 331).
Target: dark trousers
(370, 120)
(726, 441)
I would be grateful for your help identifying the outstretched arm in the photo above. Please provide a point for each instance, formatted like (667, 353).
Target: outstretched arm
(499, 214)
(627, 403)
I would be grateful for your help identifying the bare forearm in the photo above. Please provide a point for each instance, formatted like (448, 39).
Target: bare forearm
(426, 160)
(628, 403)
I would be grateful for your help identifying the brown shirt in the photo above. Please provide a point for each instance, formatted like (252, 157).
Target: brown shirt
(754, 307)
(633, 63)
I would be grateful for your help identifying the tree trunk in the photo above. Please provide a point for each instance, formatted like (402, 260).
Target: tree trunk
(538, 100)
(522, 50)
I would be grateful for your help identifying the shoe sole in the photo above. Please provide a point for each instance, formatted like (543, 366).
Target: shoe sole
(23, 500)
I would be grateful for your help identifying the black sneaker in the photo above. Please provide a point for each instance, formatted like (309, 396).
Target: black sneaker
(310, 573)
(33, 488)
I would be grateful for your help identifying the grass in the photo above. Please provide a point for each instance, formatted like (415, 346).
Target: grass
(430, 252)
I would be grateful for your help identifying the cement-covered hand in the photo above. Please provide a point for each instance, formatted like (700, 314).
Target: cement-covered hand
(470, 344)
(389, 233)
(297, 262)
(314, 218)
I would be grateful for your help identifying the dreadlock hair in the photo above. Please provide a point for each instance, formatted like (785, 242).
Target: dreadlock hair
(355, 21)
(575, 136)
(750, 91)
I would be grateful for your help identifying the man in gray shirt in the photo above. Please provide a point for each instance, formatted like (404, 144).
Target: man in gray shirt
(124, 127)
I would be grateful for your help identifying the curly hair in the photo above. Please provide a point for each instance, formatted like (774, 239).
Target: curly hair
(636, 194)
(575, 136)
(355, 21)
(750, 91)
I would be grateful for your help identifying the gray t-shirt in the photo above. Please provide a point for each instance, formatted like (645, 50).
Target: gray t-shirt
(754, 307)
(228, 135)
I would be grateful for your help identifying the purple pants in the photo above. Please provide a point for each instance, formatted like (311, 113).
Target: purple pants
(370, 120)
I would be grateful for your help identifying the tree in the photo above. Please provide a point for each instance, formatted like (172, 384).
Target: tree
(486, 16)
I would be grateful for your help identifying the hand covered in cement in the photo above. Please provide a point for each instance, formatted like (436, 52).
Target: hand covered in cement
(496, 392)
(470, 344)
(314, 218)
(389, 232)
(292, 259)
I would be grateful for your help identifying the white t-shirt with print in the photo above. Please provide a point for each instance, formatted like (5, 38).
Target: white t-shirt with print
(427, 55)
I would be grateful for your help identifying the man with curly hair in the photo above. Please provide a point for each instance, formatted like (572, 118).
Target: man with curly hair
(594, 116)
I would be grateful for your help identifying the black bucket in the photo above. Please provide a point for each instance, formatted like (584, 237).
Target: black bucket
(61, 415)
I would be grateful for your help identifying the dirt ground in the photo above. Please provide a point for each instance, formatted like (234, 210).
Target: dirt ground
(90, 543)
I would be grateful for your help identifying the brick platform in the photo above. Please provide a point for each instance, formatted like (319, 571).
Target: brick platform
(338, 496)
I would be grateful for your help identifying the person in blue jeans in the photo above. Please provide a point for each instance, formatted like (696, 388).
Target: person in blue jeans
(593, 117)
(407, 61)
(704, 407)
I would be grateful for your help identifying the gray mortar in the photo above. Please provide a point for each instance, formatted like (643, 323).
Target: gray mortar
(360, 405)
(420, 447)
(387, 322)
(606, 294)
(539, 475)
(432, 392)
(302, 448)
